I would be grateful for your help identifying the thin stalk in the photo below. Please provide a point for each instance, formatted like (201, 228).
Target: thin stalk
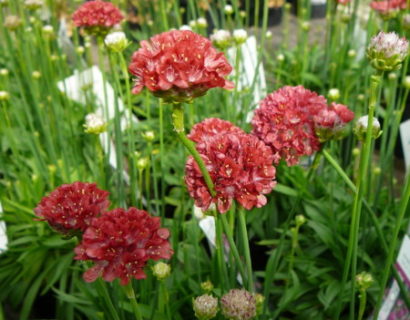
(129, 292)
(178, 122)
(245, 244)
(362, 304)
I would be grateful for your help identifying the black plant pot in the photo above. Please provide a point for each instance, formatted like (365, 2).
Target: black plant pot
(274, 16)
(318, 11)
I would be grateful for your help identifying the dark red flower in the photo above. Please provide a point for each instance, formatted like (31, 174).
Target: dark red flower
(211, 127)
(284, 121)
(120, 242)
(71, 207)
(97, 16)
(388, 7)
(179, 66)
(240, 166)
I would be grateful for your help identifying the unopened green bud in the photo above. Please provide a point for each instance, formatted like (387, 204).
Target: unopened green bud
(361, 128)
(364, 280)
(334, 94)
(149, 136)
(161, 270)
(36, 74)
(207, 286)
(355, 152)
(377, 171)
(406, 82)
(142, 163)
(4, 96)
(300, 219)
(116, 41)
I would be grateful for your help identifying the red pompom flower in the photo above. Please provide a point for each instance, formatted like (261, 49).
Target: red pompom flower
(120, 242)
(284, 121)
(211, 127)
(240, 166)
(71, 207)
(388, 8)
(179, 66)
(97, 17)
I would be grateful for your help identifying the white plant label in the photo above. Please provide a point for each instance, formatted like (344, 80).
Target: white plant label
(393, 305)
(3, 233)
(405, 142)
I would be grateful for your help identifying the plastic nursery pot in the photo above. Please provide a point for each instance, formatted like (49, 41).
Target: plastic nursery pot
(275, 13)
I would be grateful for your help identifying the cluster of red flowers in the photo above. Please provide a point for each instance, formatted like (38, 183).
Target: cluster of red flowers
(240, 166)
(120, 241)
(178, 66)
(293, 121)
(388, 7)
(71, 207)
(97, 16)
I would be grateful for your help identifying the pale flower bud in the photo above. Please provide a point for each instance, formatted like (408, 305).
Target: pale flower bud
(334, 94)
(351, 53)
(80, 50)
(142, 163)
(228, 9)
(4, 96)
(161, 270)
(4, 72)
(48, 30)
(221, 39)
(207, 286)
(268, 34)
(280, 57)
(116, 41)
(33, 4)
(192, 24)
(238, 304)
(149, 136)
(392, 76)
(364, 280)
(361, 128)
(406, 82)
(36, 74)
(240, 36)
(185, 27)
(201, 23)
(95, 124)
(386, 51)
(205, 307)
(300, 219)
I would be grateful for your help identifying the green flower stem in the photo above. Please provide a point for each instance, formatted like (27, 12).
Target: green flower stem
(129, 292)
(245, 244)
(232, 245)
(362, 304)
(392, 249)
(222, 272)
(351, 257)
(375, 221)
(102, 290)
(178, 122)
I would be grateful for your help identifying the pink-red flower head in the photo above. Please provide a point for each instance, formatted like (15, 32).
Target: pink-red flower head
(120, 243)
(71, 207)
(240, 166)
(179, 66)
(388, 8)
(97, 16)
(211, 127)
(293, 121)
(284, 121)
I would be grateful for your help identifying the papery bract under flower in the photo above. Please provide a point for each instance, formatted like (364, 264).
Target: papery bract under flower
(284, 121)
(240, 166)
(97, 17)
(179, 66)
(71, 207)
(120, 243)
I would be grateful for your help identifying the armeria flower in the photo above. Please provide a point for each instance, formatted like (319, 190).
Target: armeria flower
(95, 124)
(330, 121)
(116, 41)
(120, 243)
(388, 8)
(211, 127)
(71, 207)
(284, 121)
(222, 39)
(238, 304)
(240, 166)
(179, 66)
(205, 307)
(343, 2)
(97, 17)
(387, 51)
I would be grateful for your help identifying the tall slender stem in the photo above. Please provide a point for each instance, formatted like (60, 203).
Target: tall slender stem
(178, 122)
(129, 292)
(245, 244)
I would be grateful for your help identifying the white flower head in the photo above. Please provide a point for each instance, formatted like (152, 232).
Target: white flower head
(221, 38)
(116, 41)
(94, 123)
(48, 29)
(390, 44)
(240, 36)
(334, 94)
(362, 125)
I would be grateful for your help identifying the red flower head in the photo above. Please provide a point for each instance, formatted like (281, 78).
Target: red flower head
(388, 8)
(240, 166)
(211, 127)
(97, 17)
(330, 122)
(179, 66)
(71, 207)
(284, 121)
(343, 2)
(120, 242)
